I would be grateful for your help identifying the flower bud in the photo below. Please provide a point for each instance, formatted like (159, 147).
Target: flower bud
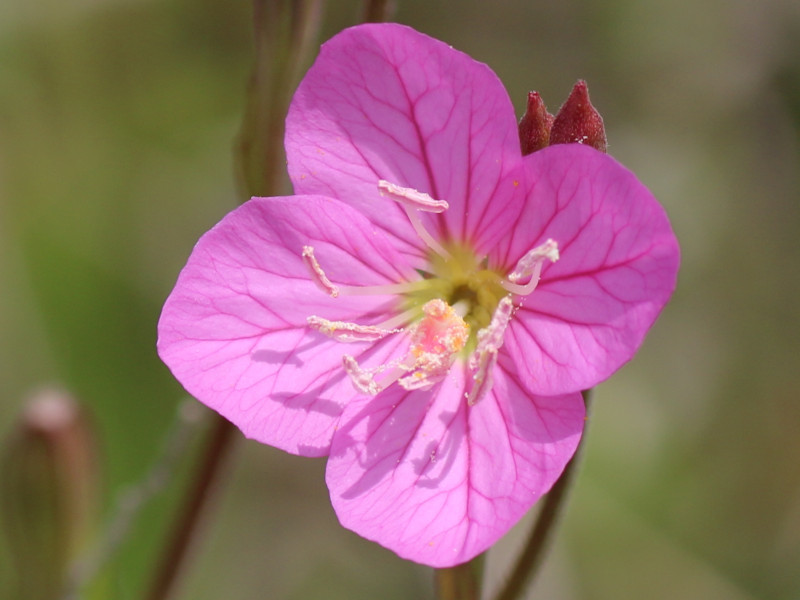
(534, 126)
(48, 492)
(577, 121)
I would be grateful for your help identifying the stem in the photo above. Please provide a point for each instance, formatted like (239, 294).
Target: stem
(532, 556)
(376, 11)
(283, 34)
(284, 30)
(462, 582)
(196, 499)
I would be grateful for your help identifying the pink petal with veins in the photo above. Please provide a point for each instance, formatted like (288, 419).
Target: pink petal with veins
(234, 329)
(439, 481)
(617, 268)
(383, 101)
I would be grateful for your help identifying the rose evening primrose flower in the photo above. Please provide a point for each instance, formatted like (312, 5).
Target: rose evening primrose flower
(427, 307)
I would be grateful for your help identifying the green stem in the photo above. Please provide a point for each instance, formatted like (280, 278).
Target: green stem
(196, 500)
(462, 582)
(284, 30)
(532, 556)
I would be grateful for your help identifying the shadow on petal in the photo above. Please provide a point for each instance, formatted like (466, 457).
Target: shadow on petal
(309, 401)
(414, 436)
(438, 458)
(274, 357)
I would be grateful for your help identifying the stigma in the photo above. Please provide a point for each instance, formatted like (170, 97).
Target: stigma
(435, 342)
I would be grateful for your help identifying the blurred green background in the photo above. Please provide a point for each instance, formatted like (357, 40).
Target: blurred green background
(117, 120)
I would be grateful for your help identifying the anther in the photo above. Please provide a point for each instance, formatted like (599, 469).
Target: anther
(530, 267)
(342, 331)
(363, 380)
(411, 198)
(484, 359)
(317, 274)
(435, 342)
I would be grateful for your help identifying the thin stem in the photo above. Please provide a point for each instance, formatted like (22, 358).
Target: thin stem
(376, 11)
(462, 582)
(283, 34)
(532, 556)
(207, 475)
(284, 30)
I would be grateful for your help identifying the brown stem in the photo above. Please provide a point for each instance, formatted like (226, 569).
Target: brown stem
(376, 11)
(283, 35)
(284, 30)
(532, 556)
(462, 582)
(190, 513)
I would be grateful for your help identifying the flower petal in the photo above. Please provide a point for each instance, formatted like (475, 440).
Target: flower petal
(618, 267)
(383, 101)
(234, 329)
(439, 481)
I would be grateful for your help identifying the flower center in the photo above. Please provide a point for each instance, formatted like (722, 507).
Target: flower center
(459, 307)
(460, 279)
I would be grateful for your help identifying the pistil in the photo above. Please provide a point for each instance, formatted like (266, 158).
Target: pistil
(436, 340)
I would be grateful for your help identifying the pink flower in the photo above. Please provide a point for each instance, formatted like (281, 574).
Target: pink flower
(427, 307)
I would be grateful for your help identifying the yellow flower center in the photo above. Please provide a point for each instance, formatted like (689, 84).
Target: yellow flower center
(465, 283)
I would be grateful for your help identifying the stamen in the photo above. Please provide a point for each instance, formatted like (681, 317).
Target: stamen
(363, 380)
(426, 237)
(317, 274)
(490, 340)
(435, 341)
(411, 198)
(326, 285)
(342, 331)
(390, 289)
(399, 320)
(429, 369)
(482, 379)
(530, 266)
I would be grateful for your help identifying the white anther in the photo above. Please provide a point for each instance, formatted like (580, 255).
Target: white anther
(429, 368)
(530, 267)
(418, 380)
(482, 379)
(363, 380)
(412, 198)
(533, 259)
(342, 331)
(484, 359)
(414, 201)
(317, 274)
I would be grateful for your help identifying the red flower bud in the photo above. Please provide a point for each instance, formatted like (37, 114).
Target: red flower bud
(577, 121)
(534, 126)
